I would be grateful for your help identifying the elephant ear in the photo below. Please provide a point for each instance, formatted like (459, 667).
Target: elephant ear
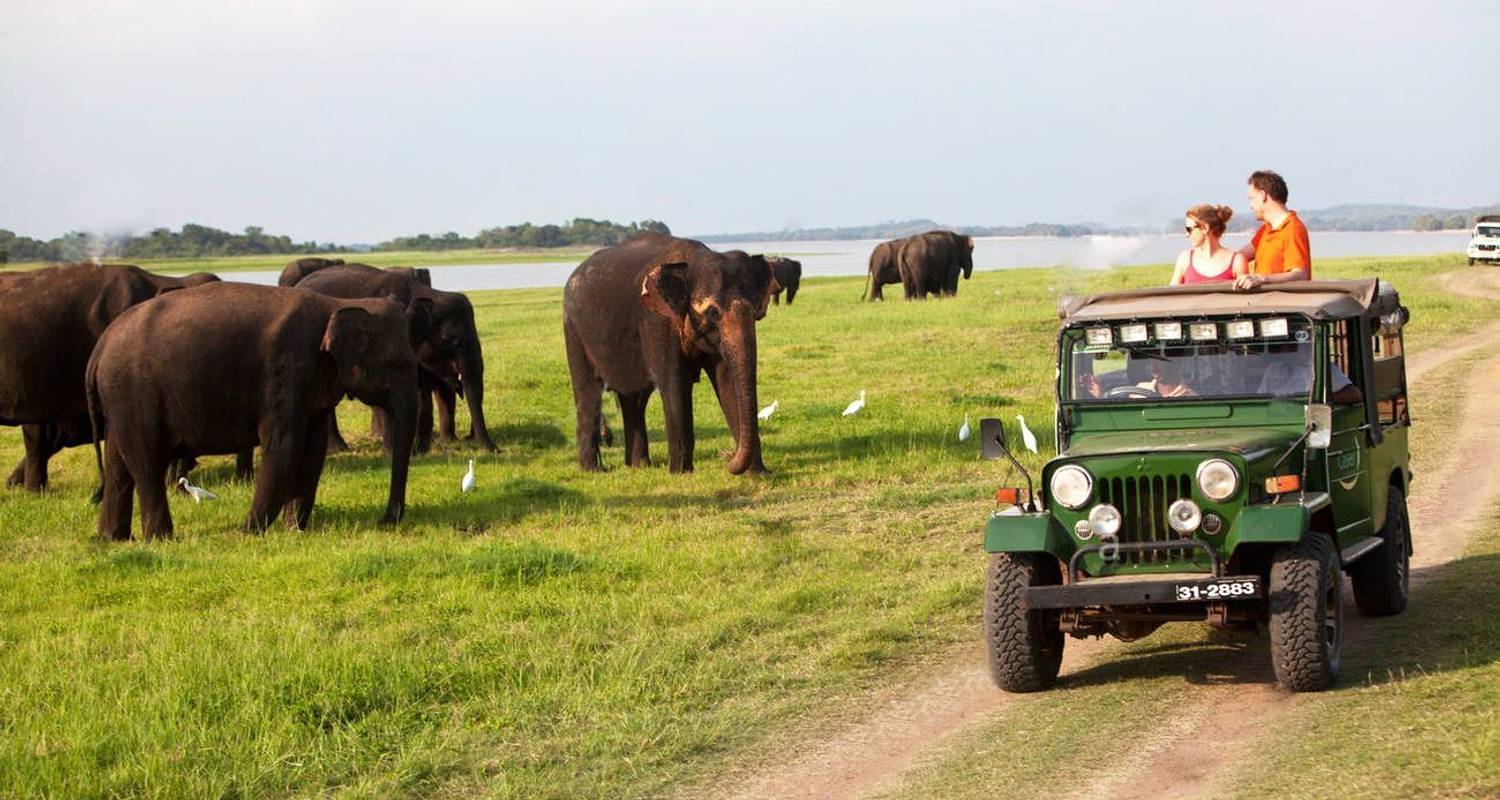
(969, 240)
(665, 290)
(345, 339)
(419, 319)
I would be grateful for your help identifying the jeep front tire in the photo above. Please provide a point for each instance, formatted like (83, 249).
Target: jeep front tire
(1025, 646)
(1307, 614)
(1382, 578)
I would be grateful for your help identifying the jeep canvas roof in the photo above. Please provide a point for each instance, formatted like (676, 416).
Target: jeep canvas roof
(1315, 299)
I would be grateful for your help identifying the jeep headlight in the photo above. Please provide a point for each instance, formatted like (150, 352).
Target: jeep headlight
(1217, 479)
(1072, 486)
(1184, 516)
(1104, 520)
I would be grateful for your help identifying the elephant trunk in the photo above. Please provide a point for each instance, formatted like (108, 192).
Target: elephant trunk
(738, 350)
(400, 430)
(471, 361)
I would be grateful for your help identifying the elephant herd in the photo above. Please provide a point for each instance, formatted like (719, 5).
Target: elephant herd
(924, 264)
(163, 370)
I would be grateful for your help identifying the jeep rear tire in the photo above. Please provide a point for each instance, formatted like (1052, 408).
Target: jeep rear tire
(1471, 262)
(1307, 614)
(1382, 578)
(1025, 646)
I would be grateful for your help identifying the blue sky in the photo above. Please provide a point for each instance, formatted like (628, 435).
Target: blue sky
(358, 121)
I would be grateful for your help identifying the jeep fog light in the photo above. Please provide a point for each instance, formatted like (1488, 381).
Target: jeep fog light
(1240, 329)
(1099, 336)
(1217, 479)
(1169, 330)
(1274, 328)
(1071, 486)
(1204, 331)
(1184, 516)
(1132, 333)
(1104, 520)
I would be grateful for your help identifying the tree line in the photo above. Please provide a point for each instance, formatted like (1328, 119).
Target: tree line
(202, 241)
(580, 231)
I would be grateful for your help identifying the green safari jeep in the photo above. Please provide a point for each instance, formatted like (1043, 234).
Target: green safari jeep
(1225, 457)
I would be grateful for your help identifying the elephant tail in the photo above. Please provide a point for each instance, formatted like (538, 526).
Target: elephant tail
(96, 422)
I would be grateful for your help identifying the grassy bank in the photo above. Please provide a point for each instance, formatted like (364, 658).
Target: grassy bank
(554, 634)
(393, 258)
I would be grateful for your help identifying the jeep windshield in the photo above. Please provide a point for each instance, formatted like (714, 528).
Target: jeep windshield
(1190, 360)
(1487, 231)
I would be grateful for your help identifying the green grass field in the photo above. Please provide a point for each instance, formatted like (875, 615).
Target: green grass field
(555, 633)
(393, 258)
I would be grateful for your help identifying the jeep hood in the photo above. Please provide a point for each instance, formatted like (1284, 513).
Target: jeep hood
(1248, 442)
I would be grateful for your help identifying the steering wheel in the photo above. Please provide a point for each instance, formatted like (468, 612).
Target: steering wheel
(1131, 390)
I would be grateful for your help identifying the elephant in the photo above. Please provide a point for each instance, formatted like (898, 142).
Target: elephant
(883, 269)
(931, 262)
(788, 274)
(228, 367)
(297, 270)
(654, 313)
(63, 309)
(449, 354)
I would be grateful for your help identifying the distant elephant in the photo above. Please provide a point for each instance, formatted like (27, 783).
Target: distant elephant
(61, 311)
(655, 313)
(883, 269)
(250, 365)
(301, 268)
(788, 276)
(449, 352)
(931, 262)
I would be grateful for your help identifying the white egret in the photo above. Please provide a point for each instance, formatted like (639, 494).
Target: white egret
(467, 484)
(1026, 435)
(856, 406)
(199, 494)
(964, 432)
(765, 413)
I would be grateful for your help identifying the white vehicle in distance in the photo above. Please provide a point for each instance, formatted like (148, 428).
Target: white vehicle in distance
(1485, 246)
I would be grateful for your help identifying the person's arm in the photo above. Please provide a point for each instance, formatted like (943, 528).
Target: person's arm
(1179, 269)
(1248, 251)
(1239, 265)
(1252, 281)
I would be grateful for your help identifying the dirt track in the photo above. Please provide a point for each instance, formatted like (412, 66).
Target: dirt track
(914, 721)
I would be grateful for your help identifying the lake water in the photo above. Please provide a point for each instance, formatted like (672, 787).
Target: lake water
(853, 257)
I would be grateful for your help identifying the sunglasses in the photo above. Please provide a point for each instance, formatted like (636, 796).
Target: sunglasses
(1191, 228)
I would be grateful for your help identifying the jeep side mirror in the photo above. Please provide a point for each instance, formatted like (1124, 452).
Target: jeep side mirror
(991, 438)
(1319, 426)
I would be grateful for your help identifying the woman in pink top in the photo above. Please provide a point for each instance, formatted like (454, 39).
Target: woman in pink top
(1207, 261)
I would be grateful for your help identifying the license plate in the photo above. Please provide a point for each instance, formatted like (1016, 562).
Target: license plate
(1226, 589)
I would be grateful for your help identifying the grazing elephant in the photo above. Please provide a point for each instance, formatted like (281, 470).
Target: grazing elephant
(883, 269)
(788, 276)
(931, 262)
(653, 314)
(295, 271)
(61, 311)
(449, 353)
(227, 367)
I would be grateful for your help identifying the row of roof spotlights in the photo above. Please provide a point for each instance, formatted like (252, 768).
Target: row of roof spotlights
(1272, 328)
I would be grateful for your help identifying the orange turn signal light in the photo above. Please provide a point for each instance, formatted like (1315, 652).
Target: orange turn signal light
(1010, 496)
(1280, 484)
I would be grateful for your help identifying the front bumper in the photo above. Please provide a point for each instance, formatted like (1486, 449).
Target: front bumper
(1147, 591)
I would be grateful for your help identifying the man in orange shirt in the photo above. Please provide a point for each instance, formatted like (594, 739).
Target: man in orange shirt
(1279, 251)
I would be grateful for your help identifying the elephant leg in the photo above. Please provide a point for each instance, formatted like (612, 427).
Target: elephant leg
(424, 421)
(633, 412)
(336, 443)
(377, 424)
(776, 299)
(179, 468)
(115, 507)
(151, 487)
(275, 480)
(791, 293)
(244, 464)
(606, 436)
(17, 475)
(587, 393)
(304, 492)
(39, 441)
(677, 404)
(446, 401)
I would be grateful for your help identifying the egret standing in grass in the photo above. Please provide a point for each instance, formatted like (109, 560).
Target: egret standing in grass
(467, 484)
(1026, 435)
(856, 406)
(765, 413)
(963, 431)
(199, 494)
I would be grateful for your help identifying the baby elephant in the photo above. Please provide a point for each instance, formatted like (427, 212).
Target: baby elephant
(230, 366)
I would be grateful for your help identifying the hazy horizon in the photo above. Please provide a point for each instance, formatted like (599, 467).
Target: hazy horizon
(357, 122)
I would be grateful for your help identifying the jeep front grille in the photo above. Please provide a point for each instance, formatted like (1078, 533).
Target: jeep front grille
(1143, 504)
